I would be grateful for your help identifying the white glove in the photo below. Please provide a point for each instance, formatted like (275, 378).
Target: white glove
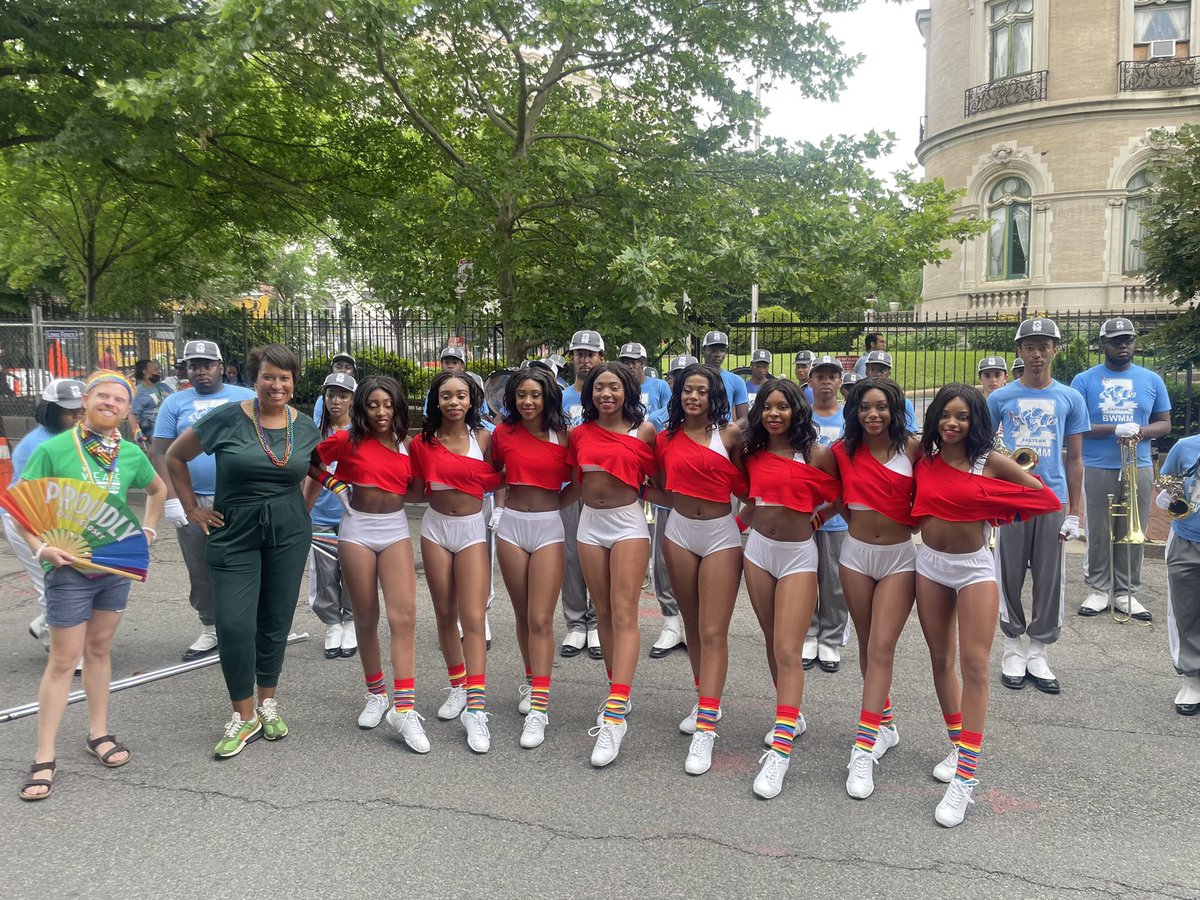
(1163, 500)
(173, 513)
(1070, 528)
(494, 521)
(343, 498)
(1128, 430)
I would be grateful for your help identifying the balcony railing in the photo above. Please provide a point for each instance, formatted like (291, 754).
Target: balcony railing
(998, 300)
(1158, 74)
(1144, 295)
(1005, 92)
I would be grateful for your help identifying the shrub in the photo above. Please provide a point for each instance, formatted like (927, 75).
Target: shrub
(371, 361)
(780, 331)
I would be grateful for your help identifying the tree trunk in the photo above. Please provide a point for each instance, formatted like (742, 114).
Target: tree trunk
(506, 281)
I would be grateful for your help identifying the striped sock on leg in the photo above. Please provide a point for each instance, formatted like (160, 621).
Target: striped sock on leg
(403, 694)
(785, 729)
(969, 743)
(539, 695)
(616, 705)
(954, 727)
(706, 713)
(457, 674)
(476, 693)
(376, 683)
(868, 730)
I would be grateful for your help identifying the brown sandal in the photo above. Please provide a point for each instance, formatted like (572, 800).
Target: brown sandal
(39, 782)
(117, 747)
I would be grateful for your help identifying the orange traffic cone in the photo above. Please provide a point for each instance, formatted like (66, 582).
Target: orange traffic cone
(6, 468)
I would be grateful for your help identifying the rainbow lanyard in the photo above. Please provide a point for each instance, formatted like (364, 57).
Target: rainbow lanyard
(84, 460)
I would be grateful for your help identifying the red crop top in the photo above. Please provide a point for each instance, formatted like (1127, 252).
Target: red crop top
(369, 463)
(626, 457)
(956, 496)
(785, 482)
(867, 481)
(696, 471)
(435, 463)
(527, 459)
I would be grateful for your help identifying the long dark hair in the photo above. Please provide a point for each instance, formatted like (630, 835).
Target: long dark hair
(897, 432)
(801, 435)
(718, 398)
(552, 415)
(433, 411)
(980, 433)
(139, 369)
(631, 410)
(360, 428)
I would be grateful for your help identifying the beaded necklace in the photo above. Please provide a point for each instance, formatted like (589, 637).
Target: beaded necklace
(266, 445)
(102, 450)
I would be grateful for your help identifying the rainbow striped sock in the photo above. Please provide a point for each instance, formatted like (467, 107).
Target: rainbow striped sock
(617, 704)
(706, 713)
(376, 684)
(458, 675)
(539, 694)
(868, 730)
(528, 675)
(785, 730)
(954, 727)
(969, 743)
(476, 693)
(887, 720)
(404, 694)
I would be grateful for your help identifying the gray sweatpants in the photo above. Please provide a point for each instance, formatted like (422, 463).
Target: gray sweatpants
(1183, 604)
(658, 570)
(328, 597)
(577, 608)
(192, 543)
(1034, 544)
(33, 568)
(831, 617)
(1127, 569)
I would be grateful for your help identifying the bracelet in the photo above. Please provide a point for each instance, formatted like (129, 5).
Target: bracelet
(153, 533)
(38, 553)
(328, 481)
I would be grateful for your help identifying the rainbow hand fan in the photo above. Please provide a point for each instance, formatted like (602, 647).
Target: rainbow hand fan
(91, 524)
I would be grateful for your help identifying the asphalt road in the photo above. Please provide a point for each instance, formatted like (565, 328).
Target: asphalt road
(1090, 793)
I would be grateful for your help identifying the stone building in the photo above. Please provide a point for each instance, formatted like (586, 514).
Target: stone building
(1047, 114)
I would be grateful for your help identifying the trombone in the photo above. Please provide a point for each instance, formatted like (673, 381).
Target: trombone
(1026, 458)
(1179, 507)
(1124, 508)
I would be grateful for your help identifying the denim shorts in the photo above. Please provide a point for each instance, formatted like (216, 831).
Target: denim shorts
(71, 596)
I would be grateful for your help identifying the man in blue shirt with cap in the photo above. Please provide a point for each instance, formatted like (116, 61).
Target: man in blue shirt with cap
(714, 347)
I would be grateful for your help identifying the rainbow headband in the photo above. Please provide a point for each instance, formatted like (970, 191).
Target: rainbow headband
(106, 376)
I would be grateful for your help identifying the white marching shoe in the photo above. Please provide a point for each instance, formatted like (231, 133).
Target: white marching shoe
(860, 784)
(408, 724)
(944, 771)
(523, 704)
(456, 702)
(608, 742)
(699, 758)
(953, 807)
(1094, 604)
(769, 781)
(1013, 664)
(1187, 701)
(534, 732)
(373, 712)
(769, 740)
(475, 722)
(669, 638)
(688, 725)
(888, 738)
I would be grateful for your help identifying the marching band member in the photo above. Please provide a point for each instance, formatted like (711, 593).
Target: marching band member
(961, 485)
(699, 455)
(1183, 571)
(790, 477)
(875, 465)
(1046, 416)
(760, 372)
(993, 373)
(714, 348)
(655, 394)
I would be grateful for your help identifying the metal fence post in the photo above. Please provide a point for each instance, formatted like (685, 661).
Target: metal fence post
(35, 336)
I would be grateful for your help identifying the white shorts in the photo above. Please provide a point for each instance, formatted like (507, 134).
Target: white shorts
(453, 533)
(703, 536)
(956, 570)
(531, 531)
(781, 558)
(878, 561)
(605, 527)
(375, 531)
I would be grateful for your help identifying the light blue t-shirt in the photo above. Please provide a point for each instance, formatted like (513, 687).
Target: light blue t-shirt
(181, 411)
(910, 417)
(25, 448)
(1181, 458)
(860, 366)
(656, 394)
(1041, 419)
(327, 511)
(319, 408)
(752, 389)
(147, 401)
(572, 406)
(1133, 395)
(829, 429)
(735, 390)
(658, 418)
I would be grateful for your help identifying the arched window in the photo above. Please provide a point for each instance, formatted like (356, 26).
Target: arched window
(1010, 32)
(1009, 235)
(1133, 258)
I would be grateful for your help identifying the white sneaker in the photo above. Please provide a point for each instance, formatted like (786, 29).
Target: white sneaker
(688, 725)
(523, 704)
(410, 728)
(888, 738)
(954, 804)
(699, 758)
(1095, 604)
(475, 722)
(944, 771)
(769, 781)
(608, 743)
(861, 782)
(372, 714)
(1013, 663)
(811, 648)
(769, 740)
(535, 729)
(455, 703)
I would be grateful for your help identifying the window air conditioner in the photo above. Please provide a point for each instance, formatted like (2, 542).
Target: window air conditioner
(1162, 49)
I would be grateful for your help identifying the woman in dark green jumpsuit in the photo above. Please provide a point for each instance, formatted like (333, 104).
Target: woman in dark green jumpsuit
(259, 534)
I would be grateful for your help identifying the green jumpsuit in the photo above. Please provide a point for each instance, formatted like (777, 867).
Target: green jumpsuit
(257, 558)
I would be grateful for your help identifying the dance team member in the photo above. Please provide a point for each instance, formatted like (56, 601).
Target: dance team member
(451, 456)
(374, 549)
(259, 534)
(700, 456)
(961, 486)
(790, 476)
(328, 593)
(530, 448)
(84, 610)
(1183, 573)
(875, 465)
(613, 455)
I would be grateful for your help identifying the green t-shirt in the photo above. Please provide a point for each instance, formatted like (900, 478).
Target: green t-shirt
(63, 456)
(245, 474)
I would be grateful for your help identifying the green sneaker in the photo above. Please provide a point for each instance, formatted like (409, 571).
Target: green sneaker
(237, 735)
(273, 726)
